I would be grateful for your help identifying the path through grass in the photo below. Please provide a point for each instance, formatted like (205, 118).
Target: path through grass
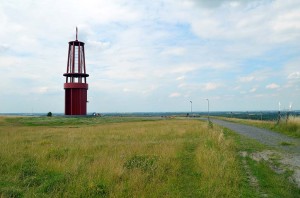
(188, 176)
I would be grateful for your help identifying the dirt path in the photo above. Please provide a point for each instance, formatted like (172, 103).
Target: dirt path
(289, 154)
(264, 136)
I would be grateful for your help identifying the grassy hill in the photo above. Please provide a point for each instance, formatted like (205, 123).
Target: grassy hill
(121, 157)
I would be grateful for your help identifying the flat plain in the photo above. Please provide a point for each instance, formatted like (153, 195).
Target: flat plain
(129, 157)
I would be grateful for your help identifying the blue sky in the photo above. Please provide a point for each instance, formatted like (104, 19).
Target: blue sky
(153, 55)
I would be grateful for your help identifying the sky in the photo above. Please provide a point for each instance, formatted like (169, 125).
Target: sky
(152, 56)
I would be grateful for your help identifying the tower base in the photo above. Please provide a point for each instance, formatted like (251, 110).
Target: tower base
(75, 98)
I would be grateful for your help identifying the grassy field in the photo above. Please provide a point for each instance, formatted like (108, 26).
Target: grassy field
(290, 127)
(123, 157)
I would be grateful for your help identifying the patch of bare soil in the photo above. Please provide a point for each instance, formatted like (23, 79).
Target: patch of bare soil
(286, 153)
(279, 162)
(251, 178)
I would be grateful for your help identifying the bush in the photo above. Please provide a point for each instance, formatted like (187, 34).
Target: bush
(49, 114)
(144, 162)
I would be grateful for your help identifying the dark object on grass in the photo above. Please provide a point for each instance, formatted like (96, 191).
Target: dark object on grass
(49, 114)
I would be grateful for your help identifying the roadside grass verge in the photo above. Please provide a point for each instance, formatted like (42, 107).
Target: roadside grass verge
(286, 143)
(268, 183)
(166, 158)
(272, 184)
(290, 127)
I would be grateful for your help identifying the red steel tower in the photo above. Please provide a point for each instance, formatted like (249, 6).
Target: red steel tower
(76, 86)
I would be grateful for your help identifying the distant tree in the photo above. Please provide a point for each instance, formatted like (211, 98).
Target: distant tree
(49, 114)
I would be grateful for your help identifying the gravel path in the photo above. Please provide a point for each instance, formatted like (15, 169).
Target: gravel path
(264, 136)
(289, 154)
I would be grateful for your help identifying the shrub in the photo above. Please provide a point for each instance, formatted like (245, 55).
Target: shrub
(143, 162)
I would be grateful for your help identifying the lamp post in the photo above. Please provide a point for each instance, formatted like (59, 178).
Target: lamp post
(191, 106)
(207, 109)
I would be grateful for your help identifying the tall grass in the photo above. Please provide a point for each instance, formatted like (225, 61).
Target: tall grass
(167, 158)
(290, 127)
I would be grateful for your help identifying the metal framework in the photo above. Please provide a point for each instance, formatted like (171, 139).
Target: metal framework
(76, 86)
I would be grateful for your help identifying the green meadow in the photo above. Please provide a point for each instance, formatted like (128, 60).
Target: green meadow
(127, 157)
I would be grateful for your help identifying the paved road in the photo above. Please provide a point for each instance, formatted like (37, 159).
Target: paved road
(264, 136)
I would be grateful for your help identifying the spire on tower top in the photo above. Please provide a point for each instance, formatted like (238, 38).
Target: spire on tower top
(76, 33)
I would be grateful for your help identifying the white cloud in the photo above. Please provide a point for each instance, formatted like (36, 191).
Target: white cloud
(8, 61)
(210, 86)
(4, 47)
(183, 69)
(175, 94)
(272, 86)
(246, 79)
(149, 89)
(253, 90)
(99, 44)
(180, 78)
(259, 75)
(182, 85)
(294, 75)
(236, 88)
(175, 51)
(126, 90)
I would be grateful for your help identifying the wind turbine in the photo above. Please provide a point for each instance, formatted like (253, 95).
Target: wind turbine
(279, 105)
(288, 113)
(207, 108)
(279, 116)
(290, 106)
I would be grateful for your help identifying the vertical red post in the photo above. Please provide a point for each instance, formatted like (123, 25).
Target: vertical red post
(75, 88)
